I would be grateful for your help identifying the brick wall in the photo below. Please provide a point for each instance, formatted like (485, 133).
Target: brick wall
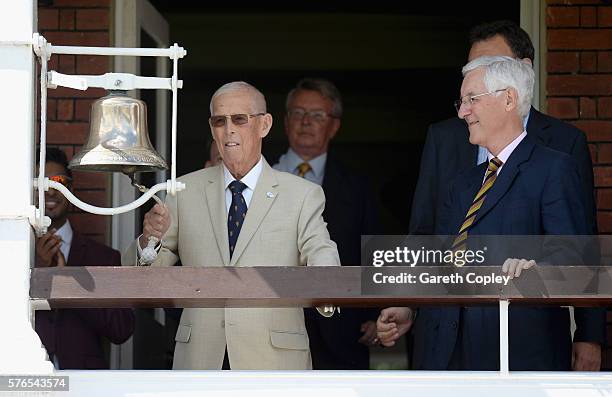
(78, 22)
(580, 91)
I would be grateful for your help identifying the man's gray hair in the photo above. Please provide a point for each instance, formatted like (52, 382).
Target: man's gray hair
(324, 87)
(504, 72)
(259, 101)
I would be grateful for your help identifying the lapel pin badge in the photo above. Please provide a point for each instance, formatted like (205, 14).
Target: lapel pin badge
(270, 195)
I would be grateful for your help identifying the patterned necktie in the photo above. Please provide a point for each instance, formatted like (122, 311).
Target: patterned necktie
(303, 169)
(460, 241)
(236, 215)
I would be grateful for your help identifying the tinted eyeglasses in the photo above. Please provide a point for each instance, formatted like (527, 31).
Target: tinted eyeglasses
(298, 114)
(63, 179)
(237, 119)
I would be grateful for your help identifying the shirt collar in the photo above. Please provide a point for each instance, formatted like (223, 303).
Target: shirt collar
(250, 179)
(65, 232)
(317, 164)
(507, 151)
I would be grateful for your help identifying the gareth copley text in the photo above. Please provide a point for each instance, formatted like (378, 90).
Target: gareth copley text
(427, 278)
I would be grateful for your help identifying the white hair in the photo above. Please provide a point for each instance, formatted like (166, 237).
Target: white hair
(504, 72)
(259, 101)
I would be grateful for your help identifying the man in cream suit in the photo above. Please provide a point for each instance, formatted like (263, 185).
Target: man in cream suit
(241, 213)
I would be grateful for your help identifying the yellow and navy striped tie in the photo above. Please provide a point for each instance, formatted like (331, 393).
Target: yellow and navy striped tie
(303, 169)
(460, 241)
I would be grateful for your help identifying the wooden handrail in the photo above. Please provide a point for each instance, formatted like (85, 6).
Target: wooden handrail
(271, 286)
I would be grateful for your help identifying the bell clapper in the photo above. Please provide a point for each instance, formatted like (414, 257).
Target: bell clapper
(148, 254)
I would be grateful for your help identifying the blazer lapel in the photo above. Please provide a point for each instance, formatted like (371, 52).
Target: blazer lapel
(214, 190)
(506, 177)
(77, 251)
(264, 196)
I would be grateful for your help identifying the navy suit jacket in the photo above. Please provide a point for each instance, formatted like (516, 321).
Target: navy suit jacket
(350, 211)
(536, 193)
(448, 152)
(73, 336)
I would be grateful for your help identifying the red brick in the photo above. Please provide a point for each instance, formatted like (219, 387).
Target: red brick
(605, 17)
(579, 85)
(90, 180)
(63, 92)
(604, 200)
(563, 108)
(82, 108)
(92, 64)
(604, 61)
(67, 64)
(81, 3)
(581, 39)
(588, 62)
(562, 16)
(68, 149)
(98, 198)
(92, 19)
(94, 39)
(561, 62)
(89, 223)
(568, 2)
(593, 150)
(64, 133)
(603, 176)
(587, 108)
(604, 107)
(596, 130)
(604, 151)
(48, 19)
(588, 16)
(51, 110)
(67, 20)
(65, 109)
(53, 63)
(604, 221)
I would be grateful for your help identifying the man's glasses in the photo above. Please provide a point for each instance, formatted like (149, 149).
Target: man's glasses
(298, 114)
(238, 119)
(469, 99)
(63, 179)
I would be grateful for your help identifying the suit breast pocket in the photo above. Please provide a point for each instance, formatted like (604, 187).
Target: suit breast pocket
(183, 334)
(276, 235)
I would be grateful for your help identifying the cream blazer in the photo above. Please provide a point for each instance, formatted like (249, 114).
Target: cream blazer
(283, 226)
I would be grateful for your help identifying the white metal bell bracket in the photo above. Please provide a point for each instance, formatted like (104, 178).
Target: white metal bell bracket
(109, 81)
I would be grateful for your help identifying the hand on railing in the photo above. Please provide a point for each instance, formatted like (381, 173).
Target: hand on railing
(513, 266)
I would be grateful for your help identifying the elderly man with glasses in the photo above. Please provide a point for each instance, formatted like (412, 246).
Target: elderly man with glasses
(313, 118)
(522, 189)
(241, 213)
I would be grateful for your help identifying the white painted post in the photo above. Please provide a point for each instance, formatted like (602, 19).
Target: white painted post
(22, 351)
(503, 337)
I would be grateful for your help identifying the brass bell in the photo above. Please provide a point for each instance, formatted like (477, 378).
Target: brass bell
(118, 138)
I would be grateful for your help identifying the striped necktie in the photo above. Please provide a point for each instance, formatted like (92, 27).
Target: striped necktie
(459, 244)
(303, 169)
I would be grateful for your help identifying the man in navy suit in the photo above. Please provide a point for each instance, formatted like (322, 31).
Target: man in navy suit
(448, 152)
(314, 110)
(73, 337)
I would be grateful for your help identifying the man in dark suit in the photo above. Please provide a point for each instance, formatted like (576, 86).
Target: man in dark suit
(448, 152)
(314, 109)
(72, 337)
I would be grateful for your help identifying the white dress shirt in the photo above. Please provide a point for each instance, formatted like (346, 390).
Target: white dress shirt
(290, 161)
(504, 155)
(65, 233)
(250, 180)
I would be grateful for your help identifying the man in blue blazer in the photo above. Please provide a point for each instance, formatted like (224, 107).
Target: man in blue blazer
(449, 152)
(528, 189)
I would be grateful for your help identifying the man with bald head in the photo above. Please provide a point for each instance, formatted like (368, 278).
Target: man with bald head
(241, 213)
